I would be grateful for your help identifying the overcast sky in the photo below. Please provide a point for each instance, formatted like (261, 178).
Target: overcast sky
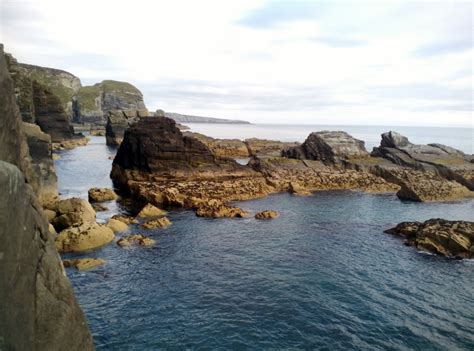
(309, 62)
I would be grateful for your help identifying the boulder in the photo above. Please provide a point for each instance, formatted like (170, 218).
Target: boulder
(73, 211)
(267, 148)
(151, 211)
(440, 236)
(135, 239)
(217, 209)
(83, 264)
(162, 222)
(268, 214)
(125, 219)
(99, 207)
(117, 122)
(101, 195)
(329, 147)
(83, 237)
(116, 225)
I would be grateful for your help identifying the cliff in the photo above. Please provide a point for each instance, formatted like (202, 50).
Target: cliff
(38, 310)
(94, 102)
(62, 84)
(180, 118)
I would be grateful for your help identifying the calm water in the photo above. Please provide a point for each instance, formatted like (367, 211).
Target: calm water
(321, 276)
(460, 138)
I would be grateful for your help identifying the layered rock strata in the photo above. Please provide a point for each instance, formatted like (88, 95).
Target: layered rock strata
(118, 121)
(38, 310)
(447, 238)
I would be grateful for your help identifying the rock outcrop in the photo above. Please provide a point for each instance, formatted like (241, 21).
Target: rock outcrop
(328, 147)
(118, 121)
(39, 144)
(83, 264)
(162, 222)
(222, 147)
(94, 102)
(447, 238)
(38, 310)
(71, 212)
(101, 195)
(267, 214)
(267, 148)
(442, 160)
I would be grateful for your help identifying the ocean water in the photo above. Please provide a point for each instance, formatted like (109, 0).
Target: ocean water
(323, 275)
(460, 138)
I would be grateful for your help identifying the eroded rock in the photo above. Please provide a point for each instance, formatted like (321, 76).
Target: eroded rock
(73, 211)
(267, 214)
(162, 222)
(83, 237)
(135, 239)
(116, 225)
(101, 195)
(83, 264)
(151, 211)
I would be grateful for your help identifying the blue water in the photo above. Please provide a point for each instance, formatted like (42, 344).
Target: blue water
(460, 138)
(321, 276)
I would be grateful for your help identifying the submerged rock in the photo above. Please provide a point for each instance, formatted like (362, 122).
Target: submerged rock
(83, 264)
(101, 195)
(447, 238)
(135, 239)
(162, 222)
(268, 214)
(217, 209)
(83, 237)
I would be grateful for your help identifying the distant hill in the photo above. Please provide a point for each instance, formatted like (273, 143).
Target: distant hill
(179, 118)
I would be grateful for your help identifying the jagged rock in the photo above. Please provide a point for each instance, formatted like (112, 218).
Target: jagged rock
(267, 148)
(151, 211)
(83, 237)
(448, 238)
(101, 195)
(94, 102)
(83, 264)
(116, 225)
(157, 223)
(222, 147)
(268, 214)
(38, 310)
(135, 239)
(117, 122)
(39, 144)
(328, 147)
(73, 211)
(125, 219)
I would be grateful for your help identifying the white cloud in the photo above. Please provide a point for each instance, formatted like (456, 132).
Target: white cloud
(303, 62)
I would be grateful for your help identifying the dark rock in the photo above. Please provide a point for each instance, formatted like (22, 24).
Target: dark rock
(38, 310)
(117, 122)
(448, 238)
(328, 147)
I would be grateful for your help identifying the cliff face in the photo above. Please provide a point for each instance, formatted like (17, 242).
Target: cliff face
(62, 84)
(35, 89)
(38, 310)
(94, 102)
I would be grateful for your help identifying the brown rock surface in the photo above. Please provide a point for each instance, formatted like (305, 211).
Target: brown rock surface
(267, 214)
(157, 223)
(101, 195)
(116, 225)
(448, 238)
(151, 211)
(83, 264)
(73, 211)
(83, 237)
(135, 239)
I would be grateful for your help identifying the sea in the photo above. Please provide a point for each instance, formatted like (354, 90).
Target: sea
(323, 275)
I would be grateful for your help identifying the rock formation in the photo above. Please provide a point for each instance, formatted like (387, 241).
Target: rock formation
(135, 239)
(442, 160)
(267, 148)
(94, 102)
(162, 222)
(118, 121)
(83, 264)
(267, 214)
(101, 195)
(222, 147)
(38, 310)
(448, 238)
(328, 147)
(83, 237)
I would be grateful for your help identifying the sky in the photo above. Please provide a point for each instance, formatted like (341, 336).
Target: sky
(292, 62)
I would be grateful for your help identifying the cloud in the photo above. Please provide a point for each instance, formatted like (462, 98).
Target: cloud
(339, 42)
(274, 13)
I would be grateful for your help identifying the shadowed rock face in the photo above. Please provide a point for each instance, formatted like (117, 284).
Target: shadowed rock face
(448, 238)
(117, 122)
(155, 149)
(38, 310)
(328, 147)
